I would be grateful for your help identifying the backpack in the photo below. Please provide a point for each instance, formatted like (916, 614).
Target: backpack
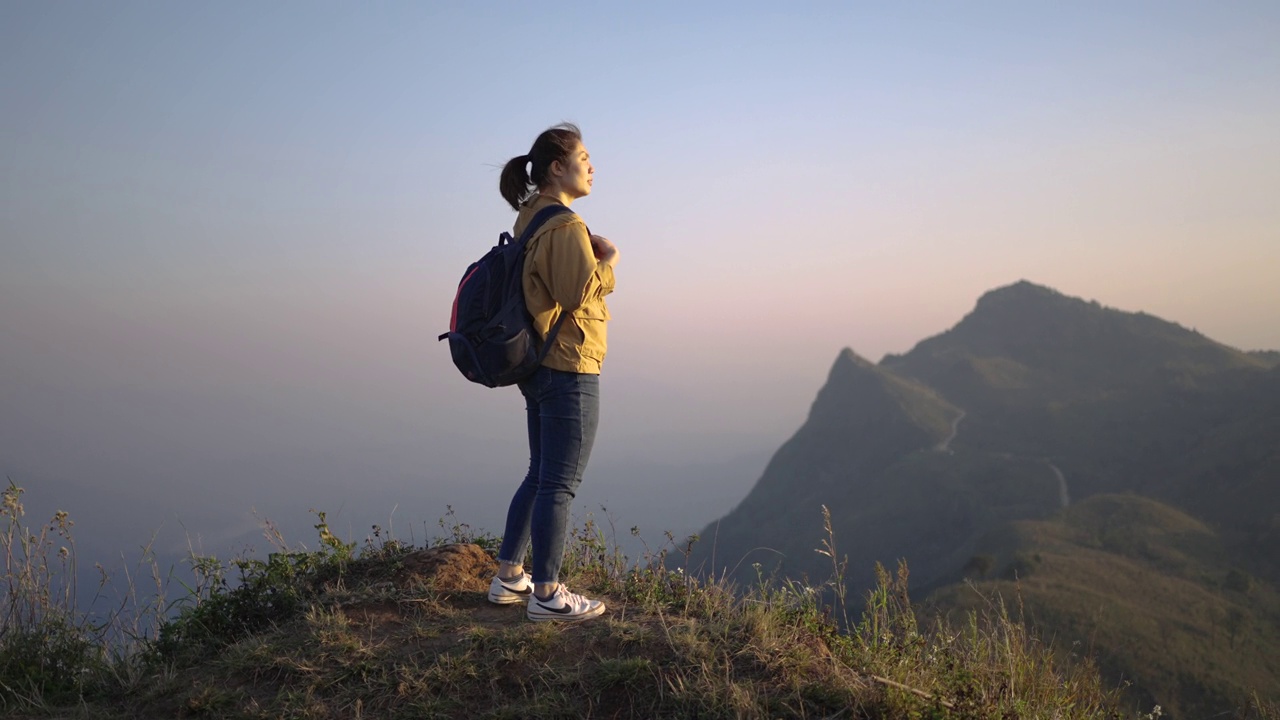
(491, 334)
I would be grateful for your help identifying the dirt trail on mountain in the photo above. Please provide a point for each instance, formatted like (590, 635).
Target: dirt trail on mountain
(1064, 494)
(945, 445)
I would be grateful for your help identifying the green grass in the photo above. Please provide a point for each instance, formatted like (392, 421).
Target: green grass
(341, 632)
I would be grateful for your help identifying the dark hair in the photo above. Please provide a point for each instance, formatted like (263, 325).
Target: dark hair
(555, 143)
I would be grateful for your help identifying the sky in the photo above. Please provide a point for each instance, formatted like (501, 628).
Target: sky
(231, 232)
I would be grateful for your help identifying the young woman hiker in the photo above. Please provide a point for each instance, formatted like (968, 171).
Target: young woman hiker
(567, 270)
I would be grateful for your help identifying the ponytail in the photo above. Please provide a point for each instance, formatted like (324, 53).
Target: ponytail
(556, 143)
(514, 184)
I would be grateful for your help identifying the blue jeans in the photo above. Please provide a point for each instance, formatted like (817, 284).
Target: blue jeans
(563, 410)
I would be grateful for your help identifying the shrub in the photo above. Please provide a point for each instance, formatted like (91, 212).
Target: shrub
(49, 652)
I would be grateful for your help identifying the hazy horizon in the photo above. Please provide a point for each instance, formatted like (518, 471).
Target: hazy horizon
(232, 233)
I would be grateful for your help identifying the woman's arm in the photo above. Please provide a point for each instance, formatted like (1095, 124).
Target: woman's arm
(568, 265)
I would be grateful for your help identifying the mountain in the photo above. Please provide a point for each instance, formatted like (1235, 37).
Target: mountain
(1120, 402)
(1270, 358)
(1034, 405)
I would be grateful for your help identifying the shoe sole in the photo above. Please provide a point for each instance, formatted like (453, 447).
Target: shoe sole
(508, 599)
(568, 618)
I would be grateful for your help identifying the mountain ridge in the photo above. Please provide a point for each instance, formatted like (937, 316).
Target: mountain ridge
(1043, 331)
(1033, 400)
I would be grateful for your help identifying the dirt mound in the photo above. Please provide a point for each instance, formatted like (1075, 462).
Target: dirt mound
(460, 567)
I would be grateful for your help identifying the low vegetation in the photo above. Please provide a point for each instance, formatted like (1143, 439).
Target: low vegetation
(351, 631)
(1148, 591)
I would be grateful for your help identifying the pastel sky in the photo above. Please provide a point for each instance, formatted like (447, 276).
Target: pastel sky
(230, 232)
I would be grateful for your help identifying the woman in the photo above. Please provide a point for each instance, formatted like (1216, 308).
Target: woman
(567, 270)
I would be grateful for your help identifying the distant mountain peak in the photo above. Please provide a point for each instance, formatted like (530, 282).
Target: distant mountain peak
(1051, 347)
(1029, 302)
(1020, 291)
(848, 359)
(857, 387)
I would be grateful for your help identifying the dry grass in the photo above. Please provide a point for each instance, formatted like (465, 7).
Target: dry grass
(327, 635)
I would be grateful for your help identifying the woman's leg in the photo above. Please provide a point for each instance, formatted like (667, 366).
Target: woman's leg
(515, 537)
(568, 414)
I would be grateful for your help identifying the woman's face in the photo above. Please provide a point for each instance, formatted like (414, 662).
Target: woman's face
(575, 172)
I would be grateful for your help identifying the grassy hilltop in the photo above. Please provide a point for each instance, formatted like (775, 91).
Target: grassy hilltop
(390, 631)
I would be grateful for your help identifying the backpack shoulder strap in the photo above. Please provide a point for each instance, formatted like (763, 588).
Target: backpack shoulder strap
(541, 219)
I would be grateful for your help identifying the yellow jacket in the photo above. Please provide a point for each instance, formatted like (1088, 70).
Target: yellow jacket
(562, 274)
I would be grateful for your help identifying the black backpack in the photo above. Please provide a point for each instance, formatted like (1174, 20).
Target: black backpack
(491, 333)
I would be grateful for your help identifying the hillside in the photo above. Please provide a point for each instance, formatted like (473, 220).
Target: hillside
(394, 631)
(1053, 400)
(863, 422)
(1148, 590)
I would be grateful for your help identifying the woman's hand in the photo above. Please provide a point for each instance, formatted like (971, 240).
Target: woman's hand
(604, 250)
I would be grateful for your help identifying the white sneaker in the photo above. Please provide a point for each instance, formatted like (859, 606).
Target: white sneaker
(564, 606)
(509, 592)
